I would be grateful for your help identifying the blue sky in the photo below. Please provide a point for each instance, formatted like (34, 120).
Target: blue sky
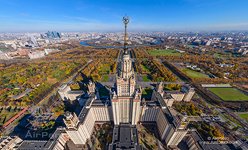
(105, 15)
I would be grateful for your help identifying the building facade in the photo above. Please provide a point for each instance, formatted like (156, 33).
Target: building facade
(126, 98)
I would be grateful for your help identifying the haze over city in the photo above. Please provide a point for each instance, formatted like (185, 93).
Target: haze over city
(102, 15)
(123, 75)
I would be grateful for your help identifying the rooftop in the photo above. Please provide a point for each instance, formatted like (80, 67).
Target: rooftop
(41, 145)
(100, 102)
(125, 136)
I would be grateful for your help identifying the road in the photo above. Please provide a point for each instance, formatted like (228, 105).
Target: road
(241, 121)
(28, 90)
(194, 118)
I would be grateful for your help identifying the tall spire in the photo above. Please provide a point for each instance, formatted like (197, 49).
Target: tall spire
(126, 70)
(125, 21)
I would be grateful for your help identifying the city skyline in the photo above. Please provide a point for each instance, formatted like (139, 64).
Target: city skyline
(180, 15)
(123, 90)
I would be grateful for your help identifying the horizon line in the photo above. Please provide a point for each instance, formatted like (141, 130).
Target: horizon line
(113, 31)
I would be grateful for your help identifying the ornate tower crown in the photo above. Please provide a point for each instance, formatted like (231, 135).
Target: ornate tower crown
(125, 21)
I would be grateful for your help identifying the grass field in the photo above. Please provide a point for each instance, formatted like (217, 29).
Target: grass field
(244, 116)
(229, 94)
(165, 52)
(194, 74)
(146, 78)
(105, 78)
(218, 55)
(145, 69)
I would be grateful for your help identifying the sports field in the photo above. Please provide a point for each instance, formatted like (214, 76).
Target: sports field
(229, 94)
(194, 74)
(165, 52)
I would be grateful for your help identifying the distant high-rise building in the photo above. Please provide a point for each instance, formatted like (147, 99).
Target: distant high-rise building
(51, 35)
(32, 42)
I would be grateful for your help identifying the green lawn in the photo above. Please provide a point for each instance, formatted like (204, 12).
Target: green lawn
(172, 87)
(104, 71)
(145, 69)
(194, 74)
(105, 78)
(243, 116)
(218, 55)
(146, 78)
(165, 52)
(229, 94)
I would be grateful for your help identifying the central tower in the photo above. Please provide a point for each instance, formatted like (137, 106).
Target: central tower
(126, 100)
(126, 78)
(125, 21)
